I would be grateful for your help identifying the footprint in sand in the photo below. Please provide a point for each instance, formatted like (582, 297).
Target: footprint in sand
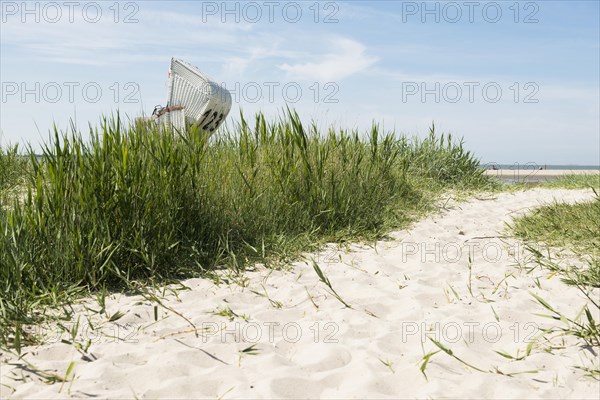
(319, 357)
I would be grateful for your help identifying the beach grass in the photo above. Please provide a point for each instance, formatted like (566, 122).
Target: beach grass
(575, 181)
(567, 181)
(13, 168)
(570, 226)
(573, 228)
(132, 202)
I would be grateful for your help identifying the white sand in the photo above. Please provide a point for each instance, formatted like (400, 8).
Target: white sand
(397, 290)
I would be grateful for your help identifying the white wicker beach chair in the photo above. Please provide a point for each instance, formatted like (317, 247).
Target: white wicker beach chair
(193, 98)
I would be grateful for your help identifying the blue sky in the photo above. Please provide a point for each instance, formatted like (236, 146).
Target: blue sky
(518, 80)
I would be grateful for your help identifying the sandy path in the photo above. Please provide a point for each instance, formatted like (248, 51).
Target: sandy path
(417, 283)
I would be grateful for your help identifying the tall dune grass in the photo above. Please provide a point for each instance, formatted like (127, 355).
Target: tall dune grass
(13, 168)
(134, 202)
(445, 161)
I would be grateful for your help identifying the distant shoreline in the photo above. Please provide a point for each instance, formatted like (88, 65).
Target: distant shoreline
(547, 173)
(537, 175)
(534, 167)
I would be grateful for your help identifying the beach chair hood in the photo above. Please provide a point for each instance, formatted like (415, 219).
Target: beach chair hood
(193, 98)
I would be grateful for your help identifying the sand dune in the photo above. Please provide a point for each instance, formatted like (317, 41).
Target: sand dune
(309, 345)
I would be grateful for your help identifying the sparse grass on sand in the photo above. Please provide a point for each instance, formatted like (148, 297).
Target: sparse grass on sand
(574, 228)
(132, 203)
(571, 226)
(575, 181)
(569, 181)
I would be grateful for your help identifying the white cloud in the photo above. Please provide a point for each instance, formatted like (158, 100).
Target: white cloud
(348, 59)
(265, 46)
(79, 42)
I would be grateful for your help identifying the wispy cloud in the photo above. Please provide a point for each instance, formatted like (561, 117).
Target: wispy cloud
(348, 58)
(79, 42)
(238, 61)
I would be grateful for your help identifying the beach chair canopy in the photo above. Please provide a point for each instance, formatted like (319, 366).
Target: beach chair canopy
(193, 98)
